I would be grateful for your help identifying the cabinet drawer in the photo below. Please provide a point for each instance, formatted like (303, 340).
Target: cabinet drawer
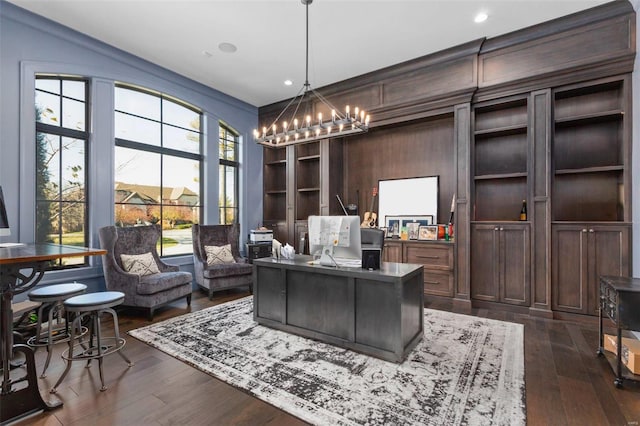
(431, 256)
(609, 301)
(438, 283)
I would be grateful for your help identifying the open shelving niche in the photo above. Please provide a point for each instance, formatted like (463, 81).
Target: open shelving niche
(500, 160)
(588, 154)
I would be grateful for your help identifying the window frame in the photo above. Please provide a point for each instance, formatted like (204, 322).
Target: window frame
(159, 149)
(235, 164)
(65, 132)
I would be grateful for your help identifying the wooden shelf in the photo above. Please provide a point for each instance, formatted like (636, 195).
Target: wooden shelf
(590, 118)
(502, 176)
(309, 158)
(276, 163)
(502, 131)
(276, 192)
(314, 189)
(590, 170)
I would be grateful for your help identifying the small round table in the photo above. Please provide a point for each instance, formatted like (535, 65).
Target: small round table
(93, 305)
(52, 298)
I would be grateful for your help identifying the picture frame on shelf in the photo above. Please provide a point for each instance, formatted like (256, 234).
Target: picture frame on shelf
(385, 230)
(419, 220)
(428, 232)
(393, 225)
(413, 230)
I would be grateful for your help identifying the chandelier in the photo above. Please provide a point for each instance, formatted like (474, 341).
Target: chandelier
(308, 128)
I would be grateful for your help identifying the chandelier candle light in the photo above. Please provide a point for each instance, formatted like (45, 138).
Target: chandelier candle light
(309, 130)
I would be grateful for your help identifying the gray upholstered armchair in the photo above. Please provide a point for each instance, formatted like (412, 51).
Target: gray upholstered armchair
(219, 275)
(149, 284)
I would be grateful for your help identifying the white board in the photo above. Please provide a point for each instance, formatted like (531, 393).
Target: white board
(408, 197)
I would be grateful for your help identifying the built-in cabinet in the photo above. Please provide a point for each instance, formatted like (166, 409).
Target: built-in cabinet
(276, 197)
(500, 241)
(541, 115)
(436, 257)
(300, 181)
(500, 262)
(582, 254)
(590, 191)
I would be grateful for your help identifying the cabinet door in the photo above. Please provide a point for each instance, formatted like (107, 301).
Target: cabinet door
(608, 255)
(581, 254)
(515, 264)
(392, 252)
(484, 275)
(570, 268)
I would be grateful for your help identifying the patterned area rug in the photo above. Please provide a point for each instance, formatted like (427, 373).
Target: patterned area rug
(466, 371)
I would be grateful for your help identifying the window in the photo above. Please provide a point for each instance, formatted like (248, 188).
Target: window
(228, 203)
(158, 158)
(61, 157)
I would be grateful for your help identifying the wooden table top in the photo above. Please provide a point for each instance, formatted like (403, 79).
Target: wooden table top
(40, 252)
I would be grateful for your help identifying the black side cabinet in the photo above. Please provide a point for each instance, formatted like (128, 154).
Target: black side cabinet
(258, 250)
(620, 301)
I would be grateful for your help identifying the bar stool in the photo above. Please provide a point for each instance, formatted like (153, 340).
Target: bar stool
(93, 305)
(52, 298)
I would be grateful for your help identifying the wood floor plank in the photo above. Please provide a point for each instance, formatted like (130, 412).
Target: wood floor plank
(565, 383)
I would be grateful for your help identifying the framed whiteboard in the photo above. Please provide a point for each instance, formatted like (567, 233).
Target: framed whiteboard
(407, 197)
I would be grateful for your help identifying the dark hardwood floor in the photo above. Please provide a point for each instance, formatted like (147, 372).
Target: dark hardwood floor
(566, 383)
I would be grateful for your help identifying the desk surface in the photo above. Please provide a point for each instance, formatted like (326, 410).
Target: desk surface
(39, 252)
(301, 262)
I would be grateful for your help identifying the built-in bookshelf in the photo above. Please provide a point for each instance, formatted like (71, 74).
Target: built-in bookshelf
(500, 163)
(307, 180)
(588, 153)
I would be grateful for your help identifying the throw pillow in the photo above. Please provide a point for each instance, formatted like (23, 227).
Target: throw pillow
(139, 264)
(219, 254)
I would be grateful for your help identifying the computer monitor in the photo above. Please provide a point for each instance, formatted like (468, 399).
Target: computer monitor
(336, 239)
(4, 221)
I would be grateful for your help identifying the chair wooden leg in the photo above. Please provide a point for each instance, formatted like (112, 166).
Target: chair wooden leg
(189, 299)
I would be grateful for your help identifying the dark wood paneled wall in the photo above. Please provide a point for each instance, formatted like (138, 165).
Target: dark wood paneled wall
(419, 149)
(422, 120)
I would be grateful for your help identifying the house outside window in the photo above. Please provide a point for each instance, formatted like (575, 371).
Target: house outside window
(158, 159)
(62, 123)
(228, 175)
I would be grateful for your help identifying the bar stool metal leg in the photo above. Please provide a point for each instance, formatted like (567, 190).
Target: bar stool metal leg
(52, 297)
(93, 305)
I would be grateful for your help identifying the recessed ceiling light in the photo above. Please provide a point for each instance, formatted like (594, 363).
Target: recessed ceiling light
(288, 82)
(227, 47)
(480, 17)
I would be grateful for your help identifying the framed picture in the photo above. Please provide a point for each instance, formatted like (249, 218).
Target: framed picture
(428, 232)
(394, 225)
(385, 230)
(419, 220)
(413, 230)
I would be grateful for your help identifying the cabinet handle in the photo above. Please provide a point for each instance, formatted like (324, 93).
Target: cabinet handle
(495, 229)
(591, 231)
(584, 230)
(502, 229)
(432, 282)
(427, 257)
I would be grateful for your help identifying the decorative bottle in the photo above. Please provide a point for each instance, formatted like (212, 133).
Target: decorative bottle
(523, 211)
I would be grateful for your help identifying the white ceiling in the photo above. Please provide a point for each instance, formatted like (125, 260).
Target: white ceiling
(346, 37)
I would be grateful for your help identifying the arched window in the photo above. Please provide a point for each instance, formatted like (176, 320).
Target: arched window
(158, 163)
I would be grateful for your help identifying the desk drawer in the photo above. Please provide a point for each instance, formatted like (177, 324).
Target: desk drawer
(433, 256)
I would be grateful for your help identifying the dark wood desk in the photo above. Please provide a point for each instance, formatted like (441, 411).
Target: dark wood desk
(21, 268)
(379, 313)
